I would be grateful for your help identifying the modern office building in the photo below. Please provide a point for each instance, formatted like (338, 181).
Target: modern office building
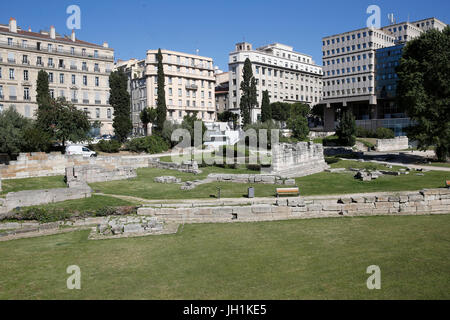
(78, 71)
(354, 79)
(189, 85)
(289, 76)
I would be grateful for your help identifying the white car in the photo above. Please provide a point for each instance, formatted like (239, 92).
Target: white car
(80, 150)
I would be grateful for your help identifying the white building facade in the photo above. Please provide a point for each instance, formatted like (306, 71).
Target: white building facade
(287, 75)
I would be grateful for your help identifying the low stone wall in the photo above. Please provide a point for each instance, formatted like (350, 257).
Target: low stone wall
(298, 160)
(89, 174)
(250, 178)
(398, 143)
(37, 197)
(320, 134)
(52, 164)
(333, 151)
(187, 166)
(435, 201)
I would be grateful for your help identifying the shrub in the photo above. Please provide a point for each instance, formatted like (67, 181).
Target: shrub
(347, 129)
(331, 160)
(385, 133)
(41, 215)
(152, 144)
(105, 211)
(112, 146)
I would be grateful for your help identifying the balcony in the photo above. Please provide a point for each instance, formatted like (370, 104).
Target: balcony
(13, 98)
(191, 87)
(73, 68)
(85, 101)
(96, 69)
(62, 66)
(25, 98)
(39, 64)
(74, 100)
(55, 50)
(98, 102)
(85, 69)
(11, 60)
(2, 97)
(51, 65)
(26, 62)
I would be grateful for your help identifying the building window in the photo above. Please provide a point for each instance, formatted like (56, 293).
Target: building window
(96, 82)
(61, 78)
(73, 79)
(11, 74)
(25, 75)
(85, 80)
(97, 113)
(108, 113)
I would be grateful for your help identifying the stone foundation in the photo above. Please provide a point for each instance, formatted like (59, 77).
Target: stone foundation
(250, 178)
(40, 164)
(89, 174)
(399, 143)
(187, 166)
(298, 160)
(433, 201)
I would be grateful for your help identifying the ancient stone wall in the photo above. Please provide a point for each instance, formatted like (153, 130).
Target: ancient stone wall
(298, 160)
(433, 201)
(89, 174)
(399, 143)
(187, 166)
(250, 178)
(37, 197)
(50, 164)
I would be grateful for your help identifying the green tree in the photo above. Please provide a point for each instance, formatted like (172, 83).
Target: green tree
(280, 111)
(65, 122)
(266, 109)
(346, 131)
(248, 97)
(161, 103)
(148, 115)
(298, 121)
(12, 128)
(228, 116)
(43, 97)
(120, 101)
(423, 90)
(189, 125)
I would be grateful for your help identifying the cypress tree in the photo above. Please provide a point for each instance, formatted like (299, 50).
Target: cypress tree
(248, 97)
(42, 90)
(120, 101)
(346, 130)
(161, 108)
(266, 109)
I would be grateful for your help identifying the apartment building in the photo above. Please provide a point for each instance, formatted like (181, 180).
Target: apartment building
(78, 71)
(289, 76)
(350, 73)
(222, 91)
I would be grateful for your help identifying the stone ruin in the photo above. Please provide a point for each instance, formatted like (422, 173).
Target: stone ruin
(167, 179)
(298, 160)
(186, 166)
(89, 173)
(129, 225)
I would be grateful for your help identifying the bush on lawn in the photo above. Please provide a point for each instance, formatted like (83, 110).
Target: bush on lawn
(385, 133)
(111, 146)
(152, 144)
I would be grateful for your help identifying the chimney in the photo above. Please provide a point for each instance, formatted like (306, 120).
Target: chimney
(105, 45)
(12, 25)
(29, 29)
(73, 35)
(52, 32)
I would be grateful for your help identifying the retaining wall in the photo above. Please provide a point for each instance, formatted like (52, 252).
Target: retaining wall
(434, 201)
(187, 166)
(40, 164)
(89, 174)
(250, 178)
(398, 143)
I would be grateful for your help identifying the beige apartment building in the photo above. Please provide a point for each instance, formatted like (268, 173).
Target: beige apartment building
(189, 86)
(78, 71)
(289, 76)
(222, 91)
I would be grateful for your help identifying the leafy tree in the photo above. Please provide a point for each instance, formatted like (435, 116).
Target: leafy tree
(65, 122)
(280, 111)
(298, 121)
(266, 109)
(12, 127)
(248, 97)
(228, 116)
(161, 103)
(346, 131)
(148, 115)
(189, 124)
(423, 90)
(120, 101)
(168, 129)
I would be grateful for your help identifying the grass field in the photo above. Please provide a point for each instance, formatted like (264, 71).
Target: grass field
(303, 259)
(32, 184)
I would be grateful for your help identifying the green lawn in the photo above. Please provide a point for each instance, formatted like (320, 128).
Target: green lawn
(32, 184)
(302, 259)
(439, 164)
(318, 184)
(363, 165)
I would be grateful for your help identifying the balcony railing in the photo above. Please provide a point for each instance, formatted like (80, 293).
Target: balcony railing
(39, 64)
(73, 67)
(2, 97)
(96, 69)
(51, 65)
(191, 87)
(75, 100)
(11, 60)
(55, 50)
(25, 98)
(85, 69)
(98, 102)
(14, 98)
(85, 101)
(62, 66)
(26, 62)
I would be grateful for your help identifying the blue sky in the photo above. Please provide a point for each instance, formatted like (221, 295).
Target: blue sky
(134, 26)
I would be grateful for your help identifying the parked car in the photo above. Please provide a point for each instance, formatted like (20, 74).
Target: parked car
(80, 150)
